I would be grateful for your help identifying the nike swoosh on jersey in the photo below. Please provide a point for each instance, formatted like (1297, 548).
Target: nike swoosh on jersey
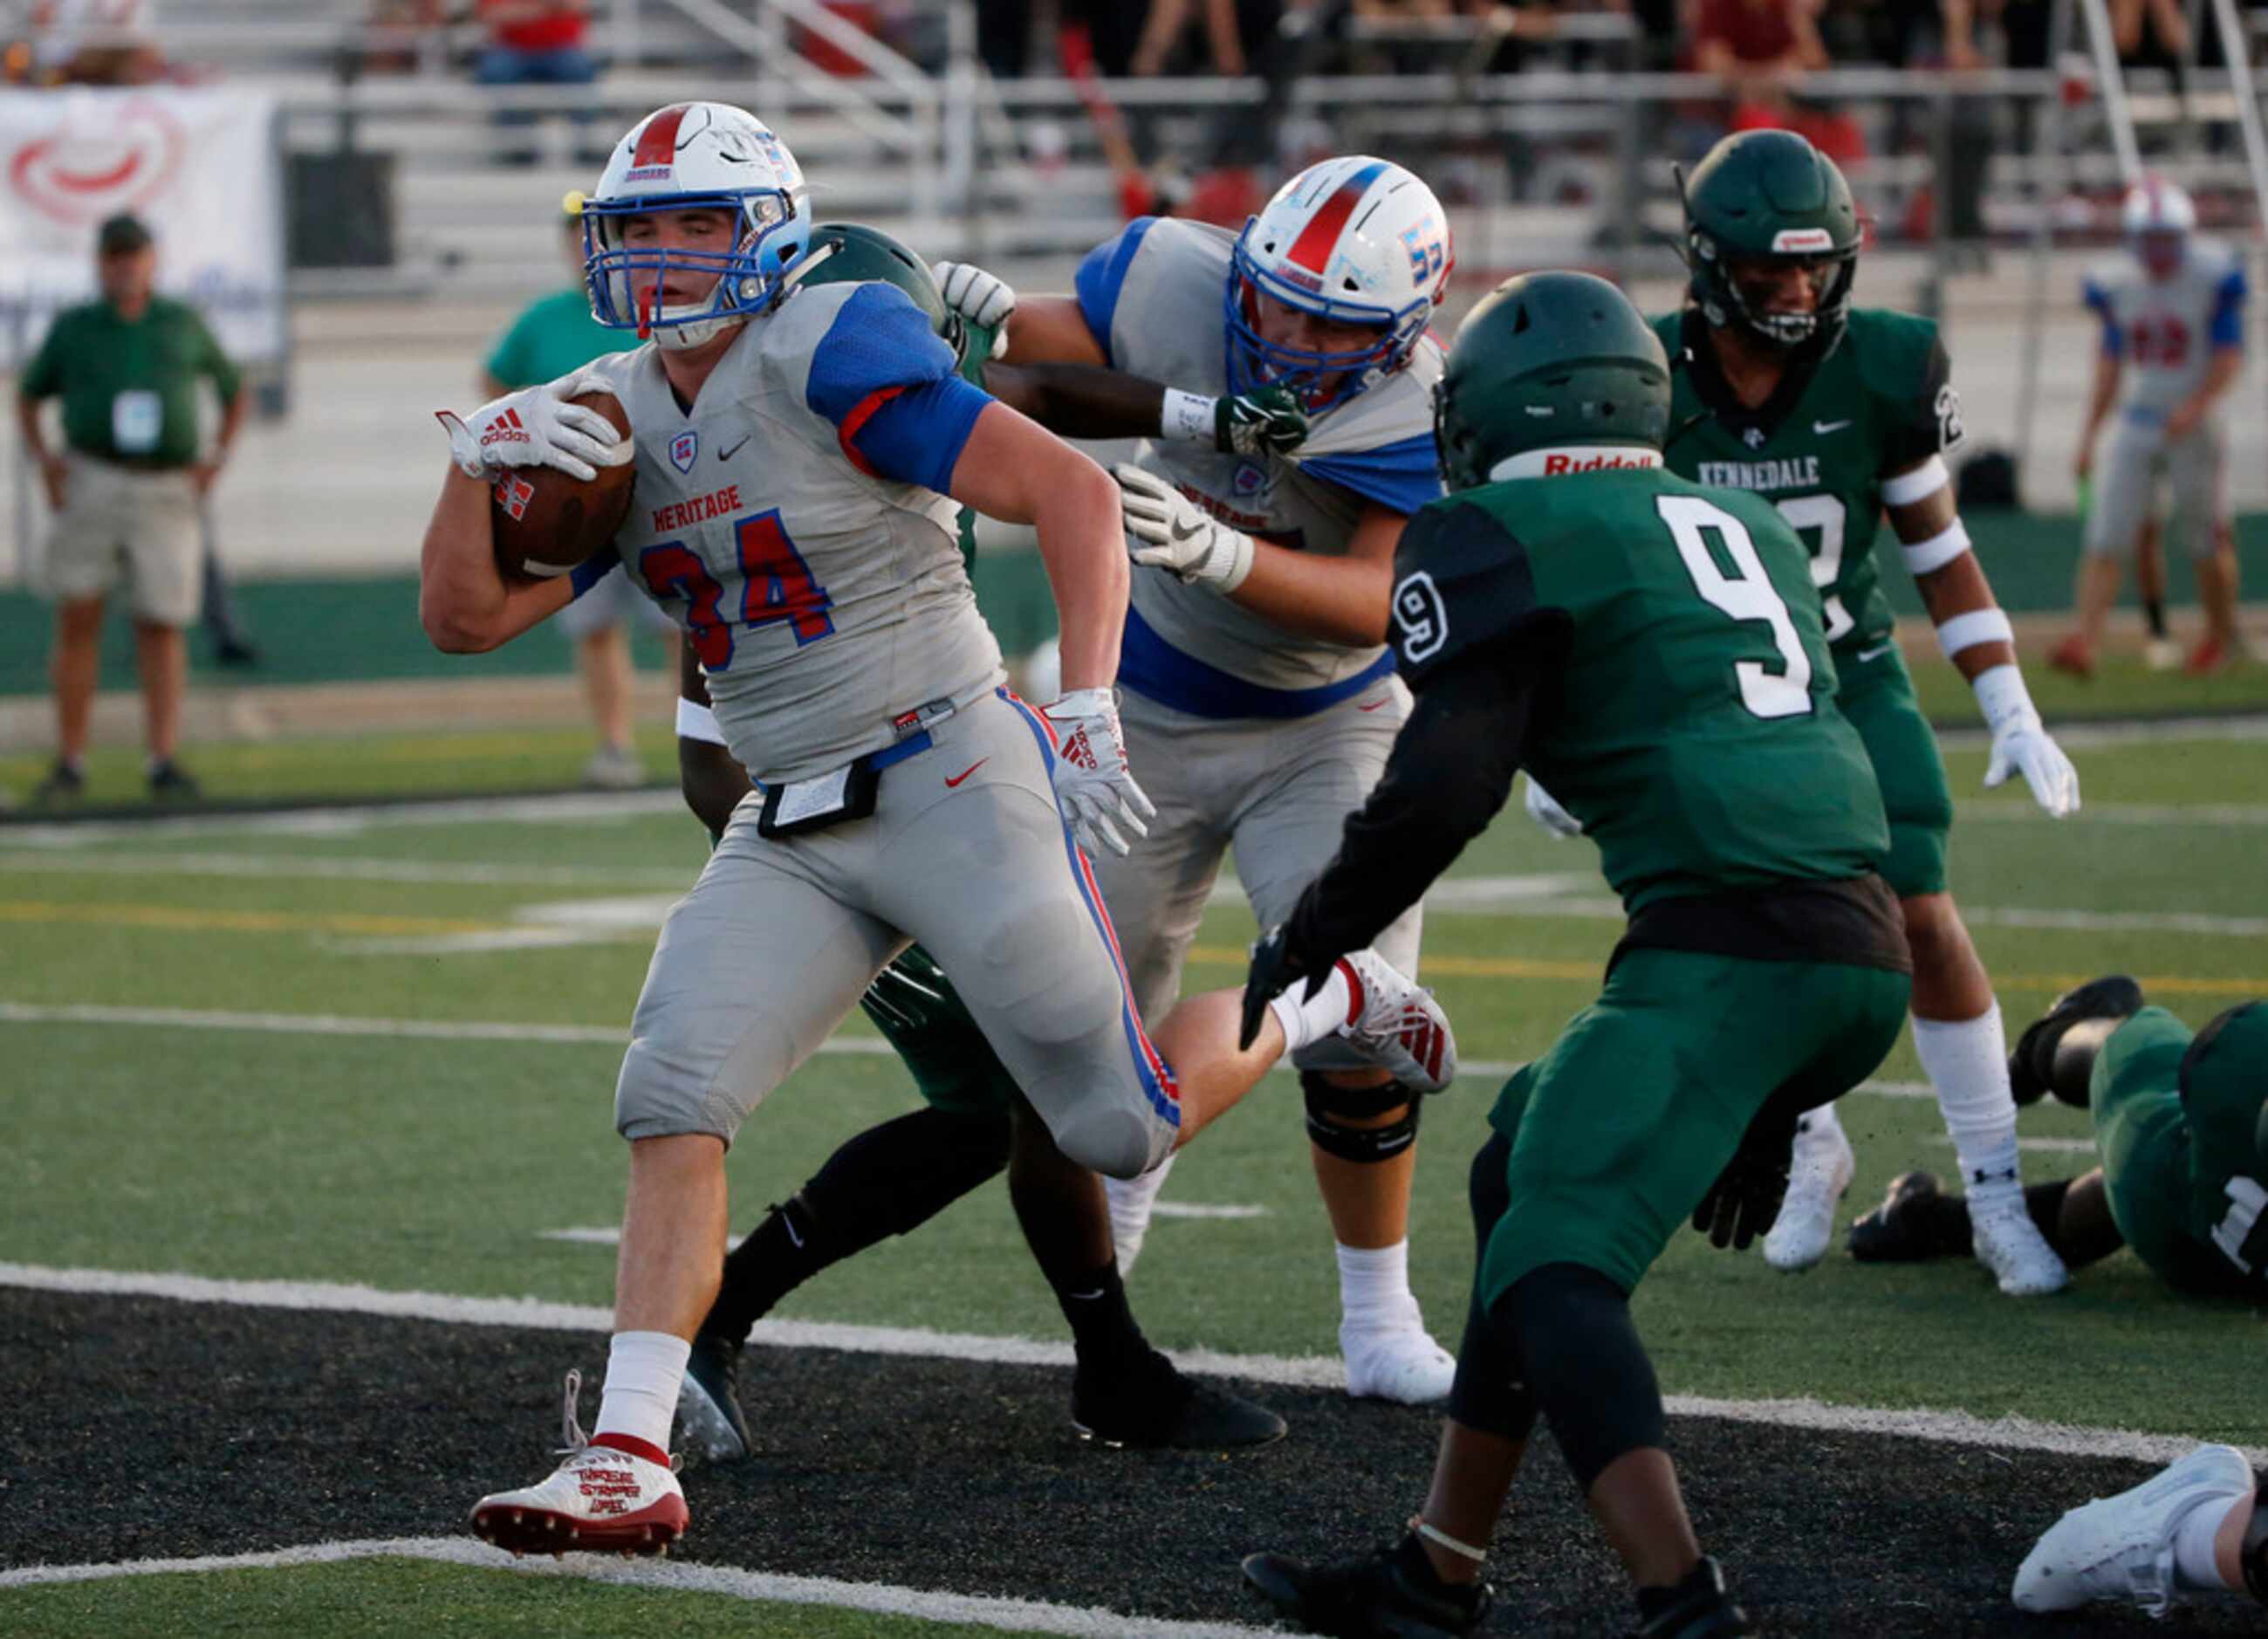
(1374, 704)
(954, 779)
(1822, 428)
(727, 454)
(1874, 653)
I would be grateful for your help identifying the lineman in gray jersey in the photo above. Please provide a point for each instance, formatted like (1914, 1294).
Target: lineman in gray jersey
(1259, 701)
(794, 451)
(2172, 312)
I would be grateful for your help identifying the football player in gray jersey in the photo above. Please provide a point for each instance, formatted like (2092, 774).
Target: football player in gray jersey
(2173, 343)
(799, 453)
(1259, 702)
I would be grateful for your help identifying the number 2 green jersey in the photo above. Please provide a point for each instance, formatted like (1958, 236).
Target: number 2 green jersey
(1692, 727)
(1818, 449)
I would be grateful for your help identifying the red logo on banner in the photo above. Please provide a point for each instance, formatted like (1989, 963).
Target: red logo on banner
(80, 173)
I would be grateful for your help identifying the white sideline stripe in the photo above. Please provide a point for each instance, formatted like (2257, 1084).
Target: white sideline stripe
(592, 1237)
(352, 819)
(1309, 1372)
(344, 867)
(2123, 813)
(571, 1034)
(1029, 1616)
(2045, 1146)
(2138, 730)
(596, 1236)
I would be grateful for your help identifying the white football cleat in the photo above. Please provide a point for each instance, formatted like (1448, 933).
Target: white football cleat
(1397, 1024)
(2122, 1547)
(1819, 1171)
(1401, 1362)
(2010, 1244)
(1129, 1201)
(600, 1500)
(2162, 654)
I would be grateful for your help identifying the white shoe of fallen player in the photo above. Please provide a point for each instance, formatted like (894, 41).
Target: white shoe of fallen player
(2162, 654)
(2122, 1547)
(1819, 1171)
(599, 1499)
(1397, 1024)
(2008, 1244)
(1399, 1363)
(1131, 1201)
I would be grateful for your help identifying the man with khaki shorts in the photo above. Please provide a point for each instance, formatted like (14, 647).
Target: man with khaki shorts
(125, 489)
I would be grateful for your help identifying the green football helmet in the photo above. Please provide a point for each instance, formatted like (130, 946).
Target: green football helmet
(852, 252)
(1547, 358)
(1765, 195)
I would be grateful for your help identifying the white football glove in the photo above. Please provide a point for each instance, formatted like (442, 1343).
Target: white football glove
(979, 297)
(537, 427)
(1545, 809)
(1097, 792)
(1164, 529)
(2021, 742)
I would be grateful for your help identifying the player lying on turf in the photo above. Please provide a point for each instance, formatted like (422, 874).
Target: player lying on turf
(2181, 1123)
(1838, 414)
(1654, 651)
(901, 1173)
(2198, 1527)
(1260, 701)
(800, 454)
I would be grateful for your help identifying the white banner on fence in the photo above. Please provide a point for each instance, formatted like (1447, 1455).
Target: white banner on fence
(199, 167)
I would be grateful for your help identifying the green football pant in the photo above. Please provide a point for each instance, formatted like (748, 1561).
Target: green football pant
(1877, 696)
(1619, 1130)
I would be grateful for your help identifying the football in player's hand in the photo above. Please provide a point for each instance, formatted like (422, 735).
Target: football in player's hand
(548, 523)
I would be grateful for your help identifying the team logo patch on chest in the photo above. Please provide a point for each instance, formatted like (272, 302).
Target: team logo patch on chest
(683, 448)
(1754, 438)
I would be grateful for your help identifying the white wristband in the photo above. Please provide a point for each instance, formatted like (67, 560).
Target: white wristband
(1924, 556)
(2003, 698)
(1187, 416)
(1978, 625)
(696, 721)
(1923, 481)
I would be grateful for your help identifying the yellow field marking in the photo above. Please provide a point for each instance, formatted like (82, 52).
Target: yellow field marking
(177, 919)
(1592, 972)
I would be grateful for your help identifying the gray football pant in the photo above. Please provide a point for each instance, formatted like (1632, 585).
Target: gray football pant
(2135, 461)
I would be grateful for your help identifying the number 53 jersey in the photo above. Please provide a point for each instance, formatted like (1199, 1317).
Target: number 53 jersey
(1692, 726)
(794, 522)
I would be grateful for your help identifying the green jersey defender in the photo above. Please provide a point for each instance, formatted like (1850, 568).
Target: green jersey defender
(1654, 650)
(1836, 416)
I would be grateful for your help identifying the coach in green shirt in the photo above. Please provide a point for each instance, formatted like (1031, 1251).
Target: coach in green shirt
(125, 487)
(553, 335)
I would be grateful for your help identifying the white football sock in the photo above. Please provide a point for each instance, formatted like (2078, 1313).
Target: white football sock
(1131, 1201)
(644, 1369)
(1967, 1062)
(1374, 1286)
(2194, 1564)
(1308, 1022)
(1818, 1126)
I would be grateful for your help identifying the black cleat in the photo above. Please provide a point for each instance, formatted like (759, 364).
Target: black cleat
(2051, 1056)
(1916, 1222)
(1151, 1404)
(64, 787)
(170, 782)
(1697, 1608)
(1393, 1594)
(708, 1402)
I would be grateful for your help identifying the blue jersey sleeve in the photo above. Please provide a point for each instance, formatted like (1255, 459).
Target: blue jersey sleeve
(1102, 274)
(2099, 300)
(1401, 475)
(2229, 310)
(891, 389)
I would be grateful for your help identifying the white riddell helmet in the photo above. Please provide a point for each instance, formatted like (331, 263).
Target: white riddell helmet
(693, 155)
(1355, 241)
(2158, 217)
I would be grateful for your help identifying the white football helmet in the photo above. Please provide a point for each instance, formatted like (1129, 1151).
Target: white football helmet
(1356, 240)
(686, 156)
(2158, 217)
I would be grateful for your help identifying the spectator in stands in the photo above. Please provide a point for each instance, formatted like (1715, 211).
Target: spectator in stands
(538, 42)
(2149, 33)
(1762, 49)
(553, 336)
(125, 488)
(97, 42)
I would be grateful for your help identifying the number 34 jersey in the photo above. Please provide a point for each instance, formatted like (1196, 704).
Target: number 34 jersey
(1692, 726)
(793, 522)
(1881, 401)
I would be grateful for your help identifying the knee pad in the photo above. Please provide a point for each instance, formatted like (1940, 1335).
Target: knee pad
(1491, 1392)
(2255, 1552)
(1363, 1144)
(1581, 1357)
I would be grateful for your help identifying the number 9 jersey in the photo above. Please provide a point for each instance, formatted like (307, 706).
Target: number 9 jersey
(793, 521)
(1692, 726)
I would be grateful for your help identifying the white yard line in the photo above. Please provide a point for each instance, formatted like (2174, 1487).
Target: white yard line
(593, 1235)
(352, 819)
(1315, 1371)
(1027, 1616)
(339, 867)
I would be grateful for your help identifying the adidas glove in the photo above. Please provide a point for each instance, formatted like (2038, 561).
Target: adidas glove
(538, 427)
(1093, 785)
(1164, 530)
